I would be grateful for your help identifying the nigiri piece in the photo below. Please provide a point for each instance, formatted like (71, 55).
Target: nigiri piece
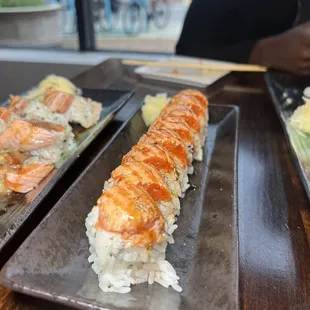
(21, 135)
(131, 212)
(76, 109)
(29, 175)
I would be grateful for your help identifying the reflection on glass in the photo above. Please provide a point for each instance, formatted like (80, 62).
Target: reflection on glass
(138, 25)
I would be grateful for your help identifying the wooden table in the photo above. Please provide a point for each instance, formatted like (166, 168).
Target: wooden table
(274, 217)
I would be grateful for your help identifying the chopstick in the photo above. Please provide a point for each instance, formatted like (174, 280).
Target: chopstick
(205, 66)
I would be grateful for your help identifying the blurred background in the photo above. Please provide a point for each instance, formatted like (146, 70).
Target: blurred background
(65, 37)
(122, 25)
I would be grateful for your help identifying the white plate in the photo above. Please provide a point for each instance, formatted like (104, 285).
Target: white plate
(191, 77)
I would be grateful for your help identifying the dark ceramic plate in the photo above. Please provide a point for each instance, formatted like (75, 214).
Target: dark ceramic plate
(286, 92)
(14, 210)
(52, 262)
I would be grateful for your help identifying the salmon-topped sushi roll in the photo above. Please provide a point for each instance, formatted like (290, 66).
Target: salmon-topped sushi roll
(160, 159)
(175, 148)
(21, 135)
(190, 138)
(76, 109)
(147, 177)
(199, 110)
(197, 95)
(185, 114)
(189, 131)
(126, 231)
(192, 104)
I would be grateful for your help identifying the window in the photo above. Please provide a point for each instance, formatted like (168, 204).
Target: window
(115, 25)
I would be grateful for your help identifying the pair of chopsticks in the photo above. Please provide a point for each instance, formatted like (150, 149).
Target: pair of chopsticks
(204, 66)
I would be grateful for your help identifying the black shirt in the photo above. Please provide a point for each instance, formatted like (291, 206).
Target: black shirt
(228, 29)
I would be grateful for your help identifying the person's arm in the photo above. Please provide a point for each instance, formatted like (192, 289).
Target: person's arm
(289, 51)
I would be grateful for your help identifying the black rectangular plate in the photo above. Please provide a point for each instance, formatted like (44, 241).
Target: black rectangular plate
(20, 206)
(283, 87)
(52, 263)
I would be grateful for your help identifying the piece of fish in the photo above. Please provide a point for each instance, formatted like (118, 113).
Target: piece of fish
(21, 173)
(171, 143)
(160, 159)
(35, 111)
(25, 136)
(143, 175)
(130, 211)
(76, 109)
(29, 175)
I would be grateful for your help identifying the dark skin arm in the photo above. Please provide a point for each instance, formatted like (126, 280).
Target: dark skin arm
(288, 51)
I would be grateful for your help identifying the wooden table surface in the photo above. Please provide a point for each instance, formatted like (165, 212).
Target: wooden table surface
(274, 217)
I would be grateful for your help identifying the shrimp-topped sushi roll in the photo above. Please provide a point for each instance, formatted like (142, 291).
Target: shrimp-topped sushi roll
(76, 109)
(147, 177)
(160, 159)
(37, 111)
(175, 148)
(126, 231)
(189, 136)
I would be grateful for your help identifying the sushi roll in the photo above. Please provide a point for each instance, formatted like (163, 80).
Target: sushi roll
(76, 109)
(176, 149)
(199, 96)
(134, 219)
(148, 178)
(160, 159)
(126, 231)
(189, 137)
(197, 103)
